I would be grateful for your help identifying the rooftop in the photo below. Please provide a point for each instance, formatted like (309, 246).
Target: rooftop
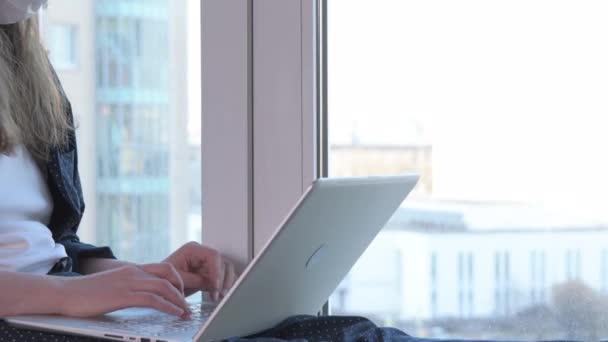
(442, 216)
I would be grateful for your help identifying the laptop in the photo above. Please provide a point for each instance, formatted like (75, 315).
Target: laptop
(294, 274)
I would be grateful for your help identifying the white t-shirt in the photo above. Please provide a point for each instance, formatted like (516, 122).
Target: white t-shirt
(26, 243)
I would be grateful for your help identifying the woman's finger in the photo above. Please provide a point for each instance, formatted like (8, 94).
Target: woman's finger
(220, 281)
(166, 271)
(229, 278)
(194, 281)
(163, 288)
(153, 301)
(212, 267)
(208, 264)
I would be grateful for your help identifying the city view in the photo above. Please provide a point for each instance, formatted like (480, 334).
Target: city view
(500, 107)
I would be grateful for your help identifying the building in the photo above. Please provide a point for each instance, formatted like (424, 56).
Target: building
(438, 260)
(124, 66)
(354, 160)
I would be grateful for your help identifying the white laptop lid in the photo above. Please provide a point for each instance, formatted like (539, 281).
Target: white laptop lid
(311, 252)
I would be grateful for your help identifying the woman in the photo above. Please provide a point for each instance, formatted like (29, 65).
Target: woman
(41, 204)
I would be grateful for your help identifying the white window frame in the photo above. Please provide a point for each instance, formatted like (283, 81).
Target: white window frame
(259, 118)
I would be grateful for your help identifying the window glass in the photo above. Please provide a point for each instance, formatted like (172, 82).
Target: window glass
(64, 44)
(500, 107)
(136, 99)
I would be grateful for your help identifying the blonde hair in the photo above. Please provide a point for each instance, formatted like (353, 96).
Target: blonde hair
(32, 105)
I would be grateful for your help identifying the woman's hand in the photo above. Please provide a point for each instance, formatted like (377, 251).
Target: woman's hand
(196, 267)
(156, 286)
(203, 268)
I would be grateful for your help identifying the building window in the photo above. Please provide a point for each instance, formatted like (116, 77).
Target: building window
(604, 271)
(465, 284)
(461, 284)
(537, 277)
(502, 277)
(507, 284)
(470, 285)
(533, 277)
(573, 264)
(542, 277)
(63, 46)
(434, 285)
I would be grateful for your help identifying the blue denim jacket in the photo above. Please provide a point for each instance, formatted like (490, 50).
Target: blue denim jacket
(63, 182)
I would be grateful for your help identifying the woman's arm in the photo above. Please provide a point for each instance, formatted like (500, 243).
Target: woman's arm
(128, 286)
(22, 293)
(95, 265)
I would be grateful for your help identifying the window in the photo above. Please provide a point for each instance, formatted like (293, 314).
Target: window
(573, 264)
(470, 285)
(63, 46)
(136, 98)
(537, 277)
(501, 111)
(604, 271)
(502, 290)
(433, 284)
(465, 284)
(532, 276)
(461, 285)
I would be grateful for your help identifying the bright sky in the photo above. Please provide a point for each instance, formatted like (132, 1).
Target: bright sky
(513, 95)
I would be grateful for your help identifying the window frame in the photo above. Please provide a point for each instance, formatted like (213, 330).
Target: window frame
(260, 90)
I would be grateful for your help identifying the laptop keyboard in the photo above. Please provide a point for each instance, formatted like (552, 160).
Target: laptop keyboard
(158, 323)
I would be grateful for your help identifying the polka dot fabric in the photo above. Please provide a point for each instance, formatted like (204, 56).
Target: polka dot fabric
(11, 334)
(295, 329)
(330, 329)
